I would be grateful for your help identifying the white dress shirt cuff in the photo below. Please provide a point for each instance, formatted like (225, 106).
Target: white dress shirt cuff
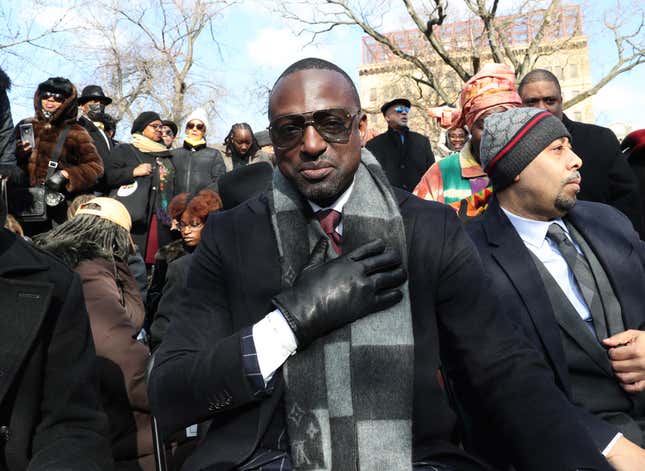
(274, 343)
(611, 444)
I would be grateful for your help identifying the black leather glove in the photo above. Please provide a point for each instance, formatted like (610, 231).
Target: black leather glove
(328, 295)
(56, 182)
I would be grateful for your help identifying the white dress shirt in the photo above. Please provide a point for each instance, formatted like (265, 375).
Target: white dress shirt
(273, 338)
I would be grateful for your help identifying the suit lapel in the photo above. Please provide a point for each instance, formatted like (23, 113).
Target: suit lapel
(615, 254)
(511, 254)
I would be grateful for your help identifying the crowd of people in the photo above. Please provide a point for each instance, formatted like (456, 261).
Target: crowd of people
(303, 298)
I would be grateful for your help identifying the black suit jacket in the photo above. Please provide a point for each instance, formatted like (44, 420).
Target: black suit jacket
(517, 283)
(606, 174)
(50, 414)
(403, 163)
(234, 272)
(103, 145)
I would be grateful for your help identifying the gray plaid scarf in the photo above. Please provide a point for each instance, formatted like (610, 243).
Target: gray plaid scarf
(349, 395)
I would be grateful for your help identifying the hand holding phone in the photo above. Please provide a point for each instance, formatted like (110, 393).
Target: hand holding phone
(27, 136)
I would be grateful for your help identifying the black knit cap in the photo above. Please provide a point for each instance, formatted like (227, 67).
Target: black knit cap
(57, 85)
(512, 139)
(145, 118)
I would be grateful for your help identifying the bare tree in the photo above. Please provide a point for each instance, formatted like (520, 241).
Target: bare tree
(19, 30)
(438, 54)
(146, 53)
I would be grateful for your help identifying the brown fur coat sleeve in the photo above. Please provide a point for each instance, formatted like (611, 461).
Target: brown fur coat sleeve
(78, 157)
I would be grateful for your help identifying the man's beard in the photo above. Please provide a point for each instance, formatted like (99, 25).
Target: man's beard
(564, 203)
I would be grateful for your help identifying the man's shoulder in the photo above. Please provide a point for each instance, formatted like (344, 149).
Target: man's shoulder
(592, 212)
(427, 214)
(377, 140)
(417, 136)
(25, 260)
(593, 131)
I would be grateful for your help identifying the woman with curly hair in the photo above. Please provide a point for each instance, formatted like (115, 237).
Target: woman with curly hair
(242, 148)
(190, 222)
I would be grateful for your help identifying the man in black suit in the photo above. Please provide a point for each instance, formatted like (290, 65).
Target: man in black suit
(606, 175)
(404, 155)
(301, 341)
(569, 273)
(93, 101)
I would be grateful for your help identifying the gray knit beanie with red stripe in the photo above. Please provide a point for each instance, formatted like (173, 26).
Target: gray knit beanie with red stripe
(512, 139)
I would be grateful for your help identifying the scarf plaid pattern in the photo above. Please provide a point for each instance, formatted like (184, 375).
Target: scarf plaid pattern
(349, 395)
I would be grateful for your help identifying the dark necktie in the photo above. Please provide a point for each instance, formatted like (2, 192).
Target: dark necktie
(329, 220)
(583, 275)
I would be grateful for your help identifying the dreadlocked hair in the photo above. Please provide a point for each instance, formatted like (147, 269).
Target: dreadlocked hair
(84, 237)
(228, 141)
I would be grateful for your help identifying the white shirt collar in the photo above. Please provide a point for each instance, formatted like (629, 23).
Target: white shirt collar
(337, 205)
(532, 232)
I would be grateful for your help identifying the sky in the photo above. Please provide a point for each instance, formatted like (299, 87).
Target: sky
(256, 44)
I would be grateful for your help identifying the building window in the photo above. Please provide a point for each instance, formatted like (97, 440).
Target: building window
(572, 71)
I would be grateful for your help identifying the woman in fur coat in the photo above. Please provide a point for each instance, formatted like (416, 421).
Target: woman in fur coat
(79, 164)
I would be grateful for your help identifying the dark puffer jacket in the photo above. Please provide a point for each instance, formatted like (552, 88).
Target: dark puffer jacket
(197, 168)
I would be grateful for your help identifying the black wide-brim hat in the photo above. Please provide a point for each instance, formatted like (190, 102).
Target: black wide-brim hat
(396, 101)
(93, 92)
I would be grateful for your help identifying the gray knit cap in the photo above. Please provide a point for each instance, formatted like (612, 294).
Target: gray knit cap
(512, 139)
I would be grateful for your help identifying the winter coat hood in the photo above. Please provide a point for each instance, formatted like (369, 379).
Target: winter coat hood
(68, 110)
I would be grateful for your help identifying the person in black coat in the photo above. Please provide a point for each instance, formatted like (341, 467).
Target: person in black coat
(50, 415)
(404, 155)
(141, 176)
(634, 148)
(207, 367)
(524, 239)
(197, 166)
(8, 163)
(606, 175)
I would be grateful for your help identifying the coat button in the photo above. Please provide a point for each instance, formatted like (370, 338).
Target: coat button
(5, 433)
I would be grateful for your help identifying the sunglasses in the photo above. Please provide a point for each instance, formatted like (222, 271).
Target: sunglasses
(168, 133)
(333, 125)
(156, 127)
(198, 126)
(401, 109)
(57, 97)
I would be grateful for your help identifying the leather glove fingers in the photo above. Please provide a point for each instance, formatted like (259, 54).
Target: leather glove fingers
(389, 279)
(381, 262)
(372, 248)
(387, 299)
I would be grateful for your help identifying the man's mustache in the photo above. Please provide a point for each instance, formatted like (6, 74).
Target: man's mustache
(573, 177)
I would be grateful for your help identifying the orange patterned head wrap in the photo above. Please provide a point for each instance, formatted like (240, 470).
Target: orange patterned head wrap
(493, 85)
